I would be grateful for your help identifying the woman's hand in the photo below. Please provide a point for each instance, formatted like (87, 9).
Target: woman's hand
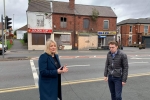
(62, 70)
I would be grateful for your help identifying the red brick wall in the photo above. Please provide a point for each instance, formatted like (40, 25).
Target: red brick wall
(75, 23)
(136, 28)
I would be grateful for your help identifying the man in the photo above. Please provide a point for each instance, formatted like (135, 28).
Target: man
(116, 70)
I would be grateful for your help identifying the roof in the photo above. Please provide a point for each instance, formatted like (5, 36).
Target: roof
(63, 8)
(135, 21)
(39, 6)
(24, 28)
(88, 9)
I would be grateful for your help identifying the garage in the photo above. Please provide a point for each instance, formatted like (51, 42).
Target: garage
(146, 40)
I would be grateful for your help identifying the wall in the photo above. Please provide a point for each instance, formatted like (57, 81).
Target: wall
(32, 24)
(87, 42)
(20, 34)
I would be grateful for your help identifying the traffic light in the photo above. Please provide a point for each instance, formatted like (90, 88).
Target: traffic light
(7, 23)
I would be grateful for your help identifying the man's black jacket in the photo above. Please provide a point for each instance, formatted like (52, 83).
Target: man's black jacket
(120, 62)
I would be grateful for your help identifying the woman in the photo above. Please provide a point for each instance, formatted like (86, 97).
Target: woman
(50, 73)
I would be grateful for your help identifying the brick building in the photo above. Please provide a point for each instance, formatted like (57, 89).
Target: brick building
(68, 20)
(134, 31)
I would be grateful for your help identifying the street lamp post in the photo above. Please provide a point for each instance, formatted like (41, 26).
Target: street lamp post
(13, 23)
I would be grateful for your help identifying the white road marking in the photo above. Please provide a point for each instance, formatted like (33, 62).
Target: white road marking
(139, 58)
(74, 66)
(35, 76)
(138, 62)
(78, 65)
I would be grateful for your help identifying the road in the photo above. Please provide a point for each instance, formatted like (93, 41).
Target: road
(84, 81)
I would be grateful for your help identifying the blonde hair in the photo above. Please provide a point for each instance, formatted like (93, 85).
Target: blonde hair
(48, 42)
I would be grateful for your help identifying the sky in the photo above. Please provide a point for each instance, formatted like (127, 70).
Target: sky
(124, 9)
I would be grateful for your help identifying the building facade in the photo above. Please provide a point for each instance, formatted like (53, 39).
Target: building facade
(133, 31)
(70, 20)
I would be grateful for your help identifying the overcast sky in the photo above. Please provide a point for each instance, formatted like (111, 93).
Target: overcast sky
(124, 9)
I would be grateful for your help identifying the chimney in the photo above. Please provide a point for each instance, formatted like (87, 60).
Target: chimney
(71, 4)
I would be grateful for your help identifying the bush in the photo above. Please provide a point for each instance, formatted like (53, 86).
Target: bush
(25, 37)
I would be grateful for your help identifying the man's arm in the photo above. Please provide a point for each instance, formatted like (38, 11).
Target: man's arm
(106, 67)
(124, 68)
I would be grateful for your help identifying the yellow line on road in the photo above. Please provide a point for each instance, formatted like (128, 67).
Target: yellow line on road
(30, 87)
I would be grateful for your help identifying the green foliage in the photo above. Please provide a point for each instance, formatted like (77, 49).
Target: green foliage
(95, 14)
(15, 32)
(29, 1)
(25, 37)
(9, 45)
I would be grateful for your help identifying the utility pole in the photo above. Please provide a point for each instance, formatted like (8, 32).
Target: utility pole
(13, 23)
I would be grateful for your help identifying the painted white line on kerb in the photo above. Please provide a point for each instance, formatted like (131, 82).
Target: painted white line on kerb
(35, 76)
(138, 62)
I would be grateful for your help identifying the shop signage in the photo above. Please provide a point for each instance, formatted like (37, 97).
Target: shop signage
(107, 33)
(39, 30)
(101, 36)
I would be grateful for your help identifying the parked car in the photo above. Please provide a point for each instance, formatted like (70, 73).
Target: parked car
(1, 48)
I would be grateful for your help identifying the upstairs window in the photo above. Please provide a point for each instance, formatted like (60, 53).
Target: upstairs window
(130, 29)
(86, 23)
(106, 24)
(40, 21)
(146, 29)
(63, 22)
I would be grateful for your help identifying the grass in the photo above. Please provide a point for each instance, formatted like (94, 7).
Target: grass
(22, 41)
(8, 44)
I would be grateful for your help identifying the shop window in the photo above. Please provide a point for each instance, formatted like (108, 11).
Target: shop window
(40, 21)
(106, 24)
(38, 39)
(63, 22)
(86, 23)
(66, 39)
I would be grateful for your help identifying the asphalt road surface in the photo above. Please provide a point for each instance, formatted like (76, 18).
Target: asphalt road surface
(84, 81)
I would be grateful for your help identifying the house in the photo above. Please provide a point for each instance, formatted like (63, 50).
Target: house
(134, 32)
(20, 32)
(71, 25)
(39, 23)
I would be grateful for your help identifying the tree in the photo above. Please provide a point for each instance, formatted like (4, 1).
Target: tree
(25, 37)
(95, 14)
(15, 32)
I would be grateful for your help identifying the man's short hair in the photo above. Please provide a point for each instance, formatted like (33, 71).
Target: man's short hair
(113, 43)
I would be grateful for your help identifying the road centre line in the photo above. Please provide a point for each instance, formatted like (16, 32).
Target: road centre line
(139, 58)
(74, 66)
(14, 89)
(35, 76)
(138, 62)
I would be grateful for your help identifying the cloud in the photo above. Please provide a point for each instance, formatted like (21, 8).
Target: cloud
(124, 9)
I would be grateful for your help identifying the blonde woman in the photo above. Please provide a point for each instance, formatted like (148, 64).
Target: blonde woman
(50, 71)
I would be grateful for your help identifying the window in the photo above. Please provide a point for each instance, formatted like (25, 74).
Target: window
(106, 24)
(86, 23)
(65, 39)
(63, 22)
(40, 21)
(145, 29)
(38, 39)
(130, 28)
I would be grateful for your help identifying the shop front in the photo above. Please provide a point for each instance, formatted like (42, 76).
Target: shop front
(37, 38)
(104, 37)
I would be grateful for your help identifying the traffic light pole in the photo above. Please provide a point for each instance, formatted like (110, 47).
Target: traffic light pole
(2, 36)
(4, 17)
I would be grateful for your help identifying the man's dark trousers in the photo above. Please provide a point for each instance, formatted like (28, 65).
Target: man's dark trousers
(115, 86)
